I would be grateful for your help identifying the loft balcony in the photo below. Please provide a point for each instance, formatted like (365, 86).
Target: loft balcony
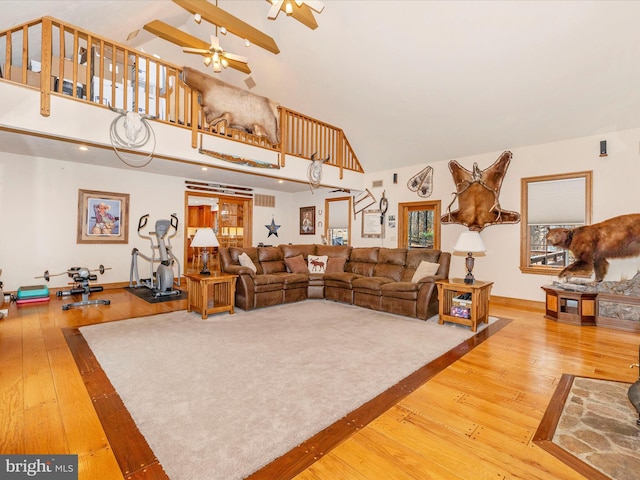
(58, 81)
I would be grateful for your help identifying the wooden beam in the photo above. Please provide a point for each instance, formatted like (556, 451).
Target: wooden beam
(219, 17)
(173, 35)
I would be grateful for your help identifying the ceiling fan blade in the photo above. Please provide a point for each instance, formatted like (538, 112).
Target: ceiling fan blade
(201, 51)
(316, 5)
(237, 58)
(184, 40)
(215, 42)
(275, 9)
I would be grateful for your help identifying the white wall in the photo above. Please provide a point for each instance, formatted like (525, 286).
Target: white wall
(39, 204)
(615, 192)
(38, 200)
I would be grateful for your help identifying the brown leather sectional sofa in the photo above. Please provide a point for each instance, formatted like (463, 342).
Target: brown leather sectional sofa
(373, 277)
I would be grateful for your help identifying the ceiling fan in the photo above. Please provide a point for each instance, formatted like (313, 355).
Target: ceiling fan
(216, 55)
(186, 41)
(301, 11)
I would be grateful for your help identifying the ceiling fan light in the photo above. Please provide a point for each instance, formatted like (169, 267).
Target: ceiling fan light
(216, 57)
(288, 8)
(197, 17)
(299, 2)
(224, 62)
(207, 61)
(217, 67)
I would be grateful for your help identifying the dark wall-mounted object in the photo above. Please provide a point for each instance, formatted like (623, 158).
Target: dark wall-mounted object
(603, 148)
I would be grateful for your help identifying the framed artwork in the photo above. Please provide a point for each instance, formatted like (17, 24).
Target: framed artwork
(372, 226)
(103, 217)
(307, 220)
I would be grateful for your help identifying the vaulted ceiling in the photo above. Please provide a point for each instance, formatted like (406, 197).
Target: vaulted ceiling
(412, 82)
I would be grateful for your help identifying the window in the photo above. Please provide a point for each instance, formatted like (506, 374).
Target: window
(548, 202)
(419, 225)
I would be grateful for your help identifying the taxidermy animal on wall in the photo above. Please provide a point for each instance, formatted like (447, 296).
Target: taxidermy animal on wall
(591, 245)
(477, 193)
(237, 107)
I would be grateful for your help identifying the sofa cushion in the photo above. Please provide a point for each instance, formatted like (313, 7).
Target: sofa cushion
(417, 255)
(340, 279)
(425, 269)
(293, 279)
(362, 261)
(335, 264)
(333, 250)
(268, 283)
(271, 259)
(403, 290)
(296, 264)
(245, 261)
(370, 283)
(295, 250)
(235, 252)
(317, 263)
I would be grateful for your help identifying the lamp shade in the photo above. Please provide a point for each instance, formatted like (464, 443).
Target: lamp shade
(205, 238)
(469, 242)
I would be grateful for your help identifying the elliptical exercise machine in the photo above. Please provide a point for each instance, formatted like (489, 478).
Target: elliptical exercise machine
(160, 282)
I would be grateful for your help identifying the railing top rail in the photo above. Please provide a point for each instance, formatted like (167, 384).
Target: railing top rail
(102, 42)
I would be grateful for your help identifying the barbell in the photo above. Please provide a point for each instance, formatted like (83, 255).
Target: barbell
(71, 271)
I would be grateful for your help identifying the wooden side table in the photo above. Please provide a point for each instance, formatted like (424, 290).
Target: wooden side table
(211, 293)
(479, 306)
(576, 308)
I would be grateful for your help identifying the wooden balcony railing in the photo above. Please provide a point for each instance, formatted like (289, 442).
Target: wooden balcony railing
(60, 59)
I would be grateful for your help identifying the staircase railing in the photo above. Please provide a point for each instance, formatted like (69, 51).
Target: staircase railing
(61, 59)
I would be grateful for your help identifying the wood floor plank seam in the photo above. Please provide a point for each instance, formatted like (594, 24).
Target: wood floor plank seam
(296, 460)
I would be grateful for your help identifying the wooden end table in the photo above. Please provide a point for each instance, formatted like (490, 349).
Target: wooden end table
(212, 293)
(479, 306)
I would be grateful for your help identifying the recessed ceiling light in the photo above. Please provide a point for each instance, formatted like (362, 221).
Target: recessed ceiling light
(83, 148)
(280, 181)
(204, 169)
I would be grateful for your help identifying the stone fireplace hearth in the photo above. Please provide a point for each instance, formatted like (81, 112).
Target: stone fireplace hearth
(591, 425)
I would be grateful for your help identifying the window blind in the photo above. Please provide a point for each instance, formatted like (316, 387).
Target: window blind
(557, 202)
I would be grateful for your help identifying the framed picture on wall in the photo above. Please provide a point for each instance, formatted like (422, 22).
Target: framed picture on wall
(372, 226)
(307, 220)
(103, 217)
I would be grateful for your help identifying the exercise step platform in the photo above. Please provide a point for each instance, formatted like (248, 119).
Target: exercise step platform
(32, 294)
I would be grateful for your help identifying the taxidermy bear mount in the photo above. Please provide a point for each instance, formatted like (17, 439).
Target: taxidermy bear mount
(477, 194)
(222, 102)
(591, 245)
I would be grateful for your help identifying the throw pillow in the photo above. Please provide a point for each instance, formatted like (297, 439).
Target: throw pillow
(245, 261)
(296, 264)
(335, 264)
(425, 269)
(317, 263)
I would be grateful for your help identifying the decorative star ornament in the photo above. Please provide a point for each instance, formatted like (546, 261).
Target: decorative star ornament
(273, 228)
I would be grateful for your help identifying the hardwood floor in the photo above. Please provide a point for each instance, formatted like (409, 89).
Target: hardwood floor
(473, 420)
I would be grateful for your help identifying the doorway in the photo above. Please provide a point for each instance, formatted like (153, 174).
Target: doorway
(337, 229)
(229, 217)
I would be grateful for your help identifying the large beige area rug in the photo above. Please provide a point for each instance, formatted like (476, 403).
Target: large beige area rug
(217, 399)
